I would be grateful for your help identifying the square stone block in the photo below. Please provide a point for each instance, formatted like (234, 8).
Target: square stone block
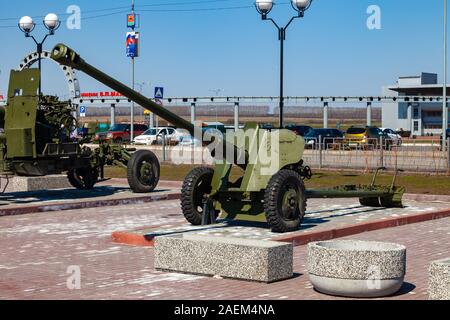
(26, 184)
(253, 260)
(440, 280)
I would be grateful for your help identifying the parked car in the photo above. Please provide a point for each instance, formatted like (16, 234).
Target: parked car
(366, 137)
(299, 130)
(120, 133)
(447, 136)
(94, 131)
(155, 136)
(327, 136)
(214, 125)
(179, 136)
(266, 126)
(147, 138)
(189, 141)
(403, 133)
(100, 136)
(393, 135)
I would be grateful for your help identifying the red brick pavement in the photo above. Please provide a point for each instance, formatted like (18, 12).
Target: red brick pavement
(36, 251)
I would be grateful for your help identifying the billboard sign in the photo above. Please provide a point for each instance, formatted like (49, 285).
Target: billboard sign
(133, 44)
(100, 94)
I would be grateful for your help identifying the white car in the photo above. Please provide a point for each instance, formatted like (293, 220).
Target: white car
(155, 136)
(147, 138)
(394, 136)
(189, 141)
(178, 136)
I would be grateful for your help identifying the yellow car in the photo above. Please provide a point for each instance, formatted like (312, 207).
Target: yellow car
(366, 137)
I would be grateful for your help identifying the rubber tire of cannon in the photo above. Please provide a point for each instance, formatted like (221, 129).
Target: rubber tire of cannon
(196, 184)
(273, 199)
(134, 167)
(83, 178)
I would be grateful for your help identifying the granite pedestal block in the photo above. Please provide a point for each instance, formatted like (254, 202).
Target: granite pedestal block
(26, 184)
(253, 260)
(440, 280)
(357, 269)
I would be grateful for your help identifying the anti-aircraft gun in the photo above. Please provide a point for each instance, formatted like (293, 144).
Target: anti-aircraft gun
(37, 141)
(270, 183)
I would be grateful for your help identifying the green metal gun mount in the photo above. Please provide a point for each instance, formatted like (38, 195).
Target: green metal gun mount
(271, 193)
(37, 141)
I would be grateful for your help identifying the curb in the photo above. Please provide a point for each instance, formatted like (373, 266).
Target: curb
(426, 197)
(135, 239)
(88, 204)
(330, 234)
(132, 239)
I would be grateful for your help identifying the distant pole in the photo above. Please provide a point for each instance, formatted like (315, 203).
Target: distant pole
(236, 116)
(369, 113)
(113, 114)
(132, 81)
(217, 92)
(193, 112)
(444, 108)
(325, 115)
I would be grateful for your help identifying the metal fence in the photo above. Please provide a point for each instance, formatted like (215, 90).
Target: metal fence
(411, 155)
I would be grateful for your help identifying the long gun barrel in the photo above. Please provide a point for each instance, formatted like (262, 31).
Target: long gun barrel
(68, 57)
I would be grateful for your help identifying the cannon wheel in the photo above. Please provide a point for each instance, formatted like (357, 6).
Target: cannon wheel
(83, 178)
(143, 171)
(285, 201)
(196, 185)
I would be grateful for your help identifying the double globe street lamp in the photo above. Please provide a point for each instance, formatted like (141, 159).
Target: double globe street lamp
(27, 25)
(264, 7)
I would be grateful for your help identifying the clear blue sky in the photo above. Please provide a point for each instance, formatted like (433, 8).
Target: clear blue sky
(329, 52)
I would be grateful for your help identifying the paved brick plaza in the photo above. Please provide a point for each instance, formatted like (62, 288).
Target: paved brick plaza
(37, 250)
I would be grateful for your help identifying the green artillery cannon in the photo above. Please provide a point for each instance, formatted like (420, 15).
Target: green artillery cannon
(270, 187)
(37, 142)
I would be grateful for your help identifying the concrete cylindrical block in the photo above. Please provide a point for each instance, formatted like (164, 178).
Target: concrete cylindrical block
(440, 280)
(359, 269)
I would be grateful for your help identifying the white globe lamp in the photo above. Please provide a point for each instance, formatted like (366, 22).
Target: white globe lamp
(26, 24)
(51, 22)
(264, 6)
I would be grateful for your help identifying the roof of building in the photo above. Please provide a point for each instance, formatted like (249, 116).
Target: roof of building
(421, 90)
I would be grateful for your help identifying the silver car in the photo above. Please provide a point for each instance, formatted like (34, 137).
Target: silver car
(393, 136)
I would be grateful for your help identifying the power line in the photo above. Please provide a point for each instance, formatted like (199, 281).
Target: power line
(144, 5)
(67, 14)
(104, 15)
(83, 18)
(184, 3)
(124, 9)
(152, 10)
(195, 10)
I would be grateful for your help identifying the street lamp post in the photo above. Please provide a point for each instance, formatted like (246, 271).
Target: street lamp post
(27, 25)
(445, 104)
(264, 7)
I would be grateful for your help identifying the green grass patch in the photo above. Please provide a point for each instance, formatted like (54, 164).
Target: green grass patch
(419, 184)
